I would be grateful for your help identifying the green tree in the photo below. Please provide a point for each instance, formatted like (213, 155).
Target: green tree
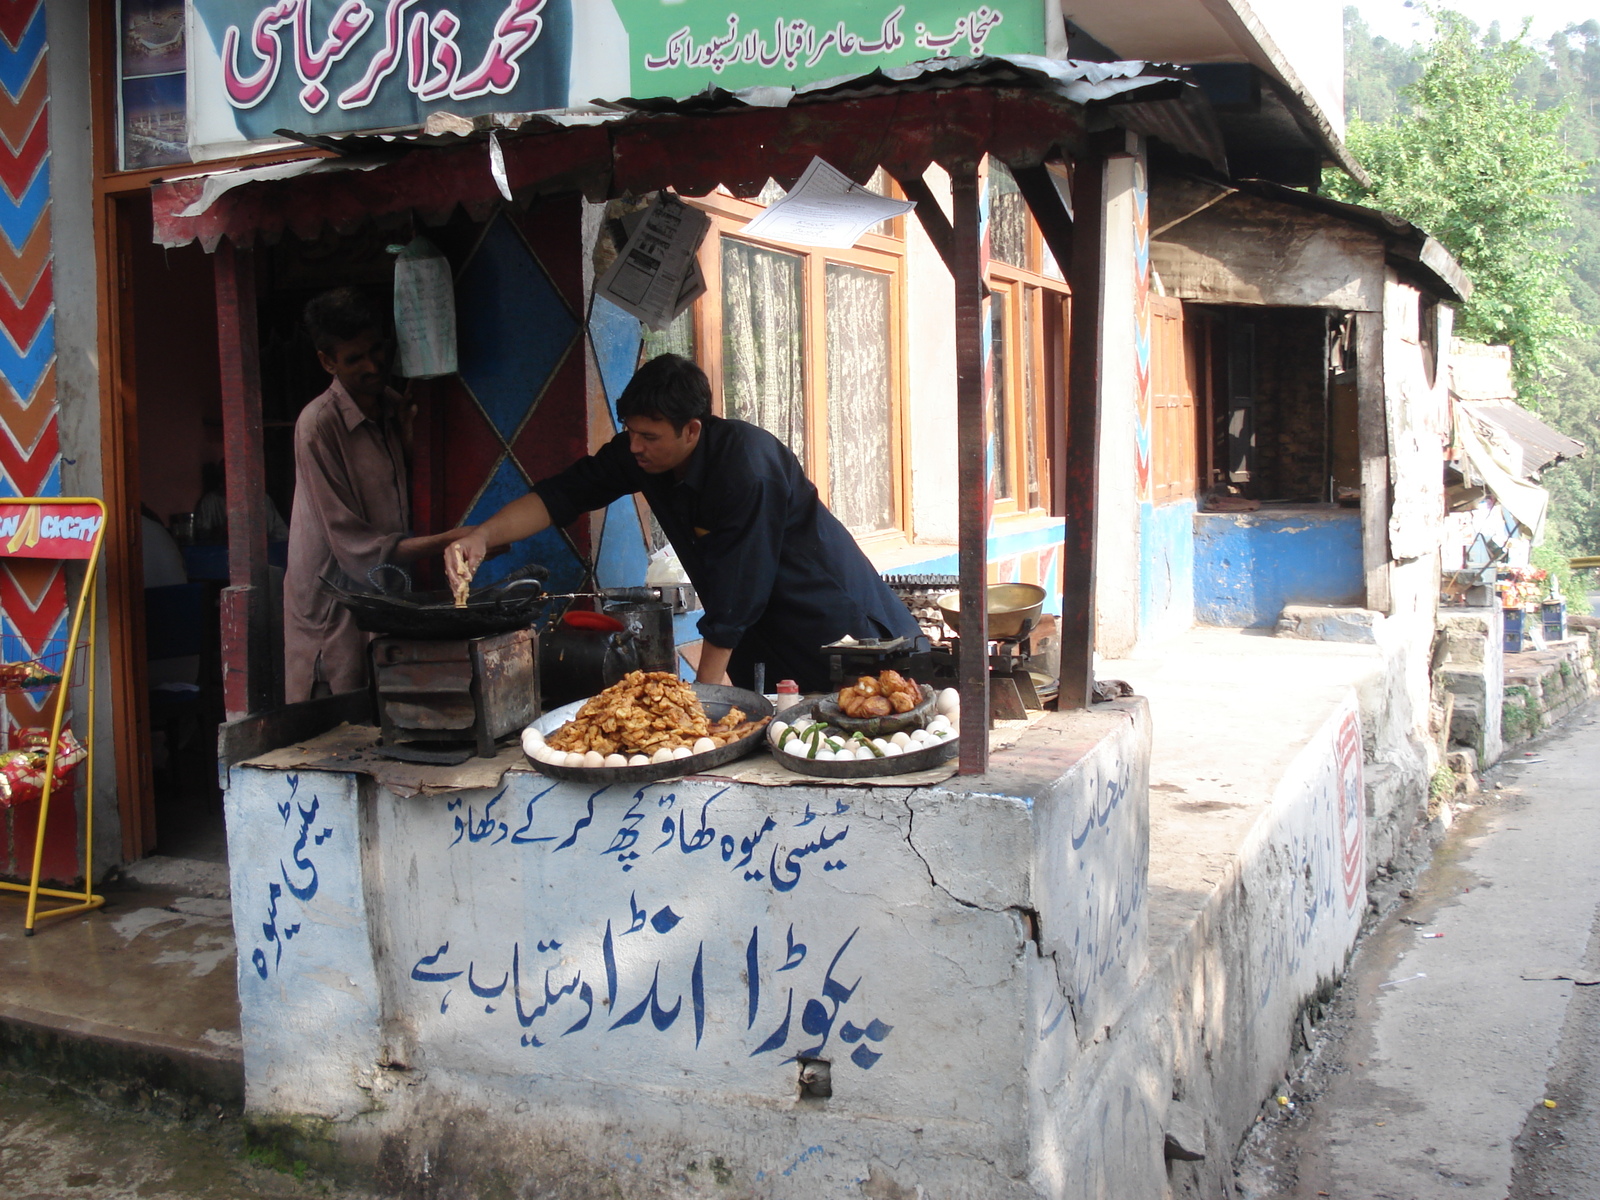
(1480, 166)
(1375, 72)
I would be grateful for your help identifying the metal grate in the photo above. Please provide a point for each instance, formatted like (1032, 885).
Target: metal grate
(920, 594)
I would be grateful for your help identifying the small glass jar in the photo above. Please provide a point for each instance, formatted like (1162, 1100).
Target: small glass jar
(788, 694)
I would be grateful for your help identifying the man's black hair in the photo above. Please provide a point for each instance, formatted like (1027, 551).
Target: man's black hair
(341, 315)
(669, 387)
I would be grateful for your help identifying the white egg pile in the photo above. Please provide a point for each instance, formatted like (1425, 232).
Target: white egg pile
(536, 748)
(817, 741)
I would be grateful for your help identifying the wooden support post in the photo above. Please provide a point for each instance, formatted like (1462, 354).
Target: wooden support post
(1372, 428)
(1047, 190)
(246, 628)
(1086, 275)
(972, 473)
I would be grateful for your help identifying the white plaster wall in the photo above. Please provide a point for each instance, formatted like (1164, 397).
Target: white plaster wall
(1418, 426)
(309, 1000)
(622, 978)
(931, 378)
(76, 298)
(1117, 515)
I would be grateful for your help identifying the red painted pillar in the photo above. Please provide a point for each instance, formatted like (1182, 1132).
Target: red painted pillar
(246, 629)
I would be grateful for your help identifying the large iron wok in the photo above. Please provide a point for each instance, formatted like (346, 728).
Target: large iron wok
(389, 606)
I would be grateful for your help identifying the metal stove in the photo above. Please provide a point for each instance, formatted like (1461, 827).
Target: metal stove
(437, 694)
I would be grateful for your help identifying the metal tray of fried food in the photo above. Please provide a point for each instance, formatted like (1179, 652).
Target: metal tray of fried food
(828, 710)
(861, 768)
(714, 698)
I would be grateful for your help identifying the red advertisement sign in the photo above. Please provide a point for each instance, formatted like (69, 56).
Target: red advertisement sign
(49, 531)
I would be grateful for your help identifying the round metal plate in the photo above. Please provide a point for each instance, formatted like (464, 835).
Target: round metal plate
(715, 699)
(860, 768)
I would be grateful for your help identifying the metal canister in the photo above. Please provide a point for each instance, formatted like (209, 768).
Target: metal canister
(651, 625)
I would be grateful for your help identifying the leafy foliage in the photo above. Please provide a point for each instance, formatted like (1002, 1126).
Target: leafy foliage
(1480, 166)
(1557, 86)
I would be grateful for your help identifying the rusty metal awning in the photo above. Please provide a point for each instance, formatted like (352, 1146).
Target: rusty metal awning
(1510, 424)
(1021, 109)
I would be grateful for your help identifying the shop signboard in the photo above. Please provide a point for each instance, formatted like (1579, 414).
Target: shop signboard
(338, 66)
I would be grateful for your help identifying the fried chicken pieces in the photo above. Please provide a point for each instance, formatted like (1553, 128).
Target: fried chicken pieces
(889, 693)
(647, 711)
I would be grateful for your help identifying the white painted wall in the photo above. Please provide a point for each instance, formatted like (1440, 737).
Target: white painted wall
(931, 378)
(1117, 516)
(77, 311)
(628, 974)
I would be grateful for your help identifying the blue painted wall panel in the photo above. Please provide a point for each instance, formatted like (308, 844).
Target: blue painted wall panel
(1247, 566)
(1166, 568)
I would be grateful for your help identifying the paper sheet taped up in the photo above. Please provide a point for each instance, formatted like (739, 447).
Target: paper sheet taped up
(826, 208)
(656, 276)
(424, 311)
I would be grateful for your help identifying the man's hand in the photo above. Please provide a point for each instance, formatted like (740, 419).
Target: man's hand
(463, 557)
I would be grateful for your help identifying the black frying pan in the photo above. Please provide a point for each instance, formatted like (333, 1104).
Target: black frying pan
(513, 603)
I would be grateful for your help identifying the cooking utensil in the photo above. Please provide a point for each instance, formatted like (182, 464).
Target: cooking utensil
(827, 708)
(714, 698)
(857, 768)
(1011, 606)
(650, 622)
(576, 661)
(513, 603)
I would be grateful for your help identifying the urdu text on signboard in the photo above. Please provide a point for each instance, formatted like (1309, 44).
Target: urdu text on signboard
(339, 66)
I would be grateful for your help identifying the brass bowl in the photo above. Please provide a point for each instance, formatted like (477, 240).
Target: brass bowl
(1011, 605)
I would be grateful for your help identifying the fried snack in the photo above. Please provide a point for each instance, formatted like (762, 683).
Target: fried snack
(461, 587)
(889, 693)
(644, 712)
(902, 693)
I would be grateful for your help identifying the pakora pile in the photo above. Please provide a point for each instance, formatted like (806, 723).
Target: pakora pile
(644, 712)
(890, 692)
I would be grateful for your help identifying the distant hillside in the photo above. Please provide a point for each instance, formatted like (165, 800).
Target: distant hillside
(1376, 73)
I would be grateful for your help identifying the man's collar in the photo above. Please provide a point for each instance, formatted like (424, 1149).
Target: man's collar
(695, 474)
(350, 412)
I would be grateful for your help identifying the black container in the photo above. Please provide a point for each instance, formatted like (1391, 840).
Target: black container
(650, 623)
(575, 664)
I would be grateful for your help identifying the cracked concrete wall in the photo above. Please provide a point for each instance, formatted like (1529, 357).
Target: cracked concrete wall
(630, 978)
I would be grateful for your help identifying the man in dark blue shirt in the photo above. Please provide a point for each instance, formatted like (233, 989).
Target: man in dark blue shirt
(778, 575)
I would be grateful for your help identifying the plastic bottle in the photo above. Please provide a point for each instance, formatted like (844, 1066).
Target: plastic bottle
(788, 694)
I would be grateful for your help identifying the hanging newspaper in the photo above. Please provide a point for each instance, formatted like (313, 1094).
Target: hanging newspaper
(826, 208)
(656, 277)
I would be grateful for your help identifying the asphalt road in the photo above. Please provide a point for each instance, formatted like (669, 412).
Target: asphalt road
(1460, 1057)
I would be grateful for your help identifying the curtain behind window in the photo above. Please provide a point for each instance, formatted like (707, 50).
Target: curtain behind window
(762, 378)
(860, 423)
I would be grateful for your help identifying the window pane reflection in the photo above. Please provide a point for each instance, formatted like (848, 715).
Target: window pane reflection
(860, 427)
(762, 378)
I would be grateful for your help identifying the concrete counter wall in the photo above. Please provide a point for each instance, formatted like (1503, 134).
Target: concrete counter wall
(613, 985)
(1247, 566)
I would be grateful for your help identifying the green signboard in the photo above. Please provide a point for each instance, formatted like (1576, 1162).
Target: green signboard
(677, 47)
(337, 66)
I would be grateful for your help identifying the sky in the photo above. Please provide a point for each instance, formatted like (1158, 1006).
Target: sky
(1402, 23)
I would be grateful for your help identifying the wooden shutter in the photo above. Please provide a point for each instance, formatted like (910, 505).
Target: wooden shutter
(1173, 429)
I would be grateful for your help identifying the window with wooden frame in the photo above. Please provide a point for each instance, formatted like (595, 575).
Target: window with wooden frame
(808, 344)
(1029, 308)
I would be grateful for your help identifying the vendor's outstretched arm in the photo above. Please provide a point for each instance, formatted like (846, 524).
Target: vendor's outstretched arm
(522, 518)
(713, 664)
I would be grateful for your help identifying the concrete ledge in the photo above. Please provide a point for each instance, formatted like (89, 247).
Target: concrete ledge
(75, 1051)
(1329, 623)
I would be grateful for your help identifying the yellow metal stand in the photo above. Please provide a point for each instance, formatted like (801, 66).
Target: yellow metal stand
(63, 540)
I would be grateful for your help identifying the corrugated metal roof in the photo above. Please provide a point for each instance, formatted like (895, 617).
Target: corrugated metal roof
(1153, 98)
(1539, 445)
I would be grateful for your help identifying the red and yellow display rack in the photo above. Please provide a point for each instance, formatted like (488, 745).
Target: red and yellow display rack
(67, 529)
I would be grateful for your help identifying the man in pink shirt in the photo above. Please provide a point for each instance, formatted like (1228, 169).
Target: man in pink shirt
(351, 498)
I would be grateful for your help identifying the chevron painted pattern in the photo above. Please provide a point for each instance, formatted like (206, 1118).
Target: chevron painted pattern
(33, 604)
